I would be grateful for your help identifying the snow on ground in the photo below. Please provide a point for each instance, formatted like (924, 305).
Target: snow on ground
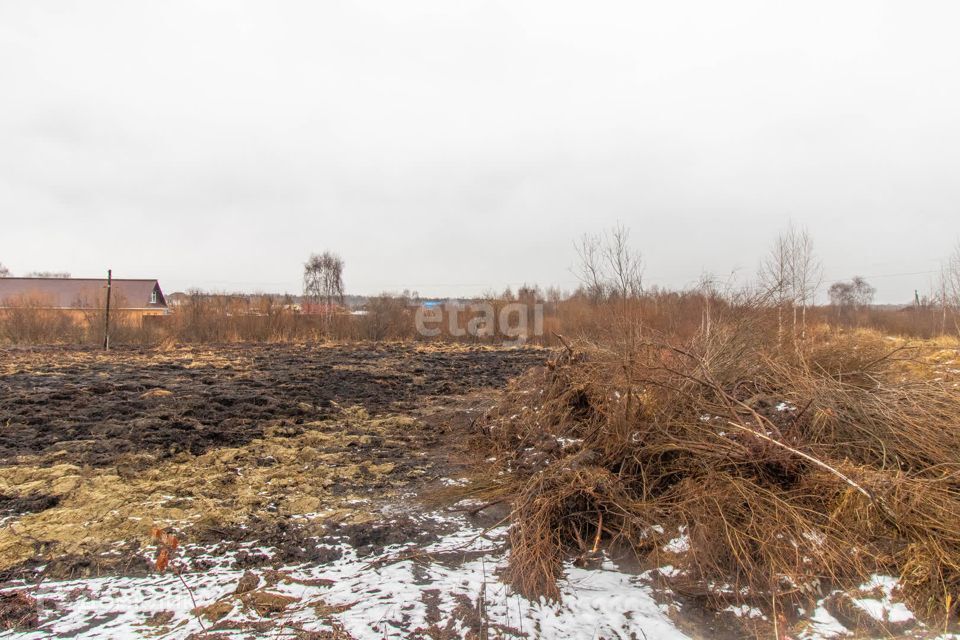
(680, 544)
(376, 597)
(391, 595)
(879, 602)
(884, 609)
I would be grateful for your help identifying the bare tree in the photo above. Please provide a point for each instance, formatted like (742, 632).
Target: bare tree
(554, 294)
(841, 294)
(624, 264)
(950, 286)
(707, 288)
(4, 272)
(590, 268)
(323, 280)
(863, 292)
(777, 280)
(791, 275)
(806, 273)
(851, 295)
(951, 279)
(609, 267)
(62, 275)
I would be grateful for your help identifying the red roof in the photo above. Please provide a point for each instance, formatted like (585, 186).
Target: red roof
(82, 293)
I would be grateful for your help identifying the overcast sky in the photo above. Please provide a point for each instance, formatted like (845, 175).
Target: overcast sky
(452, 147)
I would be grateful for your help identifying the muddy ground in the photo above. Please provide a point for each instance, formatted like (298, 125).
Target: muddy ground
(286, 445)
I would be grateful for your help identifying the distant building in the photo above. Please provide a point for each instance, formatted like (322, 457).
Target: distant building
(133, 297)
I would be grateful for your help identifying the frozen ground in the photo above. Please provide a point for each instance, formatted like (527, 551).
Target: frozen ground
(446, 589)
(449, 587)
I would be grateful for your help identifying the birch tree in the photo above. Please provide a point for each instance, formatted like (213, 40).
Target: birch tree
(806, 273)
(791, 275)
(323, 280)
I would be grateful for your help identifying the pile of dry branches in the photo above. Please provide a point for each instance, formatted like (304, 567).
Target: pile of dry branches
(793, 467)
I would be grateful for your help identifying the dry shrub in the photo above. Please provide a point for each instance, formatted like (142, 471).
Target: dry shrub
(388, 317)
(563, 504)
(34, 320)
(31, 321)
(213, 318)
(927, 320)
(793, 466)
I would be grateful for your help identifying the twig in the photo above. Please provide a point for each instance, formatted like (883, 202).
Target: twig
(596, 540)
(475, 510)
(805, 456)
(797, 417)
(196, 608)
(876, 500)
(564, 342)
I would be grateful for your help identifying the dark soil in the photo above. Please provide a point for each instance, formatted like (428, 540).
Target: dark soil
(32, 503)
(373, 538)
(89, 408)
(290, 543)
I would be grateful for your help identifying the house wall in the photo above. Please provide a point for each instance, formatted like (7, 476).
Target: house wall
(132, 317)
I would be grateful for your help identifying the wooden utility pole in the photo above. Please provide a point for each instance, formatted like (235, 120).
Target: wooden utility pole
(106, 328)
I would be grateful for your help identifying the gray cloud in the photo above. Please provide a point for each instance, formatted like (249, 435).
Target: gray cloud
(454, 147)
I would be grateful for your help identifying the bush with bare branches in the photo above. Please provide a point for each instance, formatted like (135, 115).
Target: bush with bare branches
(792, 471)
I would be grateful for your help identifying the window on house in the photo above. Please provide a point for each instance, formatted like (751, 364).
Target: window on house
(153, 298)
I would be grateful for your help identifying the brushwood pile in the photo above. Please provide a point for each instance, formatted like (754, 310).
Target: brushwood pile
(787, 467)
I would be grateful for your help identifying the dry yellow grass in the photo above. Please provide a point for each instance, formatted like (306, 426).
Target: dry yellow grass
(98, 508)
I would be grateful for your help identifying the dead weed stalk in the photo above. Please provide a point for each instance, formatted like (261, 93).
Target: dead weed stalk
(792, 468)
